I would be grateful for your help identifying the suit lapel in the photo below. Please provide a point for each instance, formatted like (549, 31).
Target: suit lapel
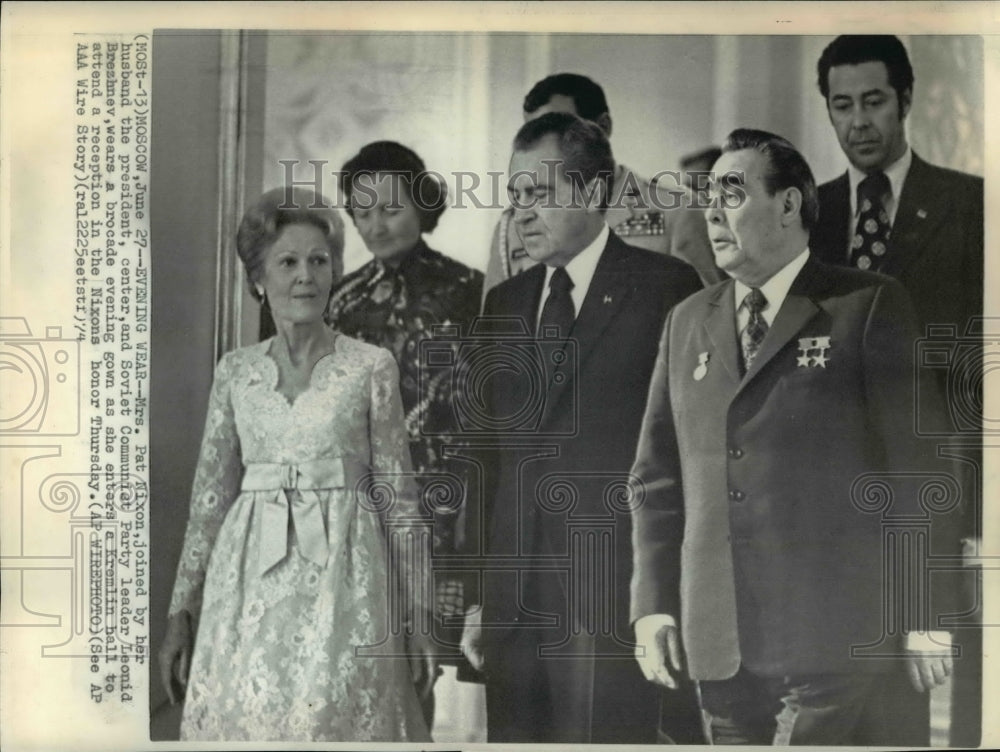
(524, 298)
(720, 326)
(797, 309)
(920, 211)
(830, 239)
(608, 290)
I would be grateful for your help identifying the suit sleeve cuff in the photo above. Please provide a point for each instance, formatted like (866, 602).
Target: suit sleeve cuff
(928, 642)
(649, 625)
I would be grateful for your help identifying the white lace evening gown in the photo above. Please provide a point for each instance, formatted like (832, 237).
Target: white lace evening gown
(281, 605)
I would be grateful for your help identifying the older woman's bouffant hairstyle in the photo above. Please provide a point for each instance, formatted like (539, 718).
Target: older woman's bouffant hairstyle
(277, 209)
(427, 190)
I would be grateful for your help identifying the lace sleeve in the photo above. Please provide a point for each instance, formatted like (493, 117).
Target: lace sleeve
(216, 484)
(408, 528)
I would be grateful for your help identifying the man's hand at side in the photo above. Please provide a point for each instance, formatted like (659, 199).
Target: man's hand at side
(472, 638)
(658, 649)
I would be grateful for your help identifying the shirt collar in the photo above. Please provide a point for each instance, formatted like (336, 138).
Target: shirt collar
(776, 288)
(581, 267)
(896, 172)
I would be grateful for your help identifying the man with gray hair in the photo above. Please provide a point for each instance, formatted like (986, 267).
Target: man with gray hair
(659, 216)
(553, 637)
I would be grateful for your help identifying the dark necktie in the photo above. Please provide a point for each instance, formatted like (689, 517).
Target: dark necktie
(753, 334)
(558, 310)
(871, 236)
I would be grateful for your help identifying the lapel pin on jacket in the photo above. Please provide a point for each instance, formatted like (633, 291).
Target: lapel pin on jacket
(702, 368)
(607, 299)
(813, 352)
(921, 213)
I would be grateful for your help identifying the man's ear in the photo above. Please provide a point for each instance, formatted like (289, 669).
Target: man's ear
(905, 100)
(596, 191)
(604, 123)
(791, 206)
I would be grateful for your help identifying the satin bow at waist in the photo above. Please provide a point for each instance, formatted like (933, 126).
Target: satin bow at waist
(307, 515)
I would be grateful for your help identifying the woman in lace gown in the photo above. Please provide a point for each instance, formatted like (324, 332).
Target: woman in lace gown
(304, 564)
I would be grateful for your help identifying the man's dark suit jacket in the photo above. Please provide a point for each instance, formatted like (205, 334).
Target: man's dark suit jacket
(936, 251)
(570, 472)
(765, 492)
(936, 245)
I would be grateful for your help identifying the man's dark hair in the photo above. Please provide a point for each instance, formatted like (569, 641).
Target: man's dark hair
(587, 96)
(585, 150)
(850, 49)
(786, 168)
(703, 159)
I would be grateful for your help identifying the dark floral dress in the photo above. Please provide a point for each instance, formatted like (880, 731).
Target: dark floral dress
(396, 308)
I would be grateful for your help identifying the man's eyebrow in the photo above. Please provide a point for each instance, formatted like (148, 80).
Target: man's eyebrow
(868, 93)
(535, 186)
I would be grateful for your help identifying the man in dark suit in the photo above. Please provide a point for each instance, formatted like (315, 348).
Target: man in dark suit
(893, 212)
(782, 400)
(554, 640)
(931, 237)
(660, 216)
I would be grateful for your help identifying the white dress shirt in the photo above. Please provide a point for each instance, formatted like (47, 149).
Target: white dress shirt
(775, 291)
(580, 269)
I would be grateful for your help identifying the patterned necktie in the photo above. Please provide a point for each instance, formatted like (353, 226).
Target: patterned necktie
(871, 236)
(753, 334)
(558, 310)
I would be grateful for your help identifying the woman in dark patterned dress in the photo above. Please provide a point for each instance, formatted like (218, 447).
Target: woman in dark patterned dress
(394, 301)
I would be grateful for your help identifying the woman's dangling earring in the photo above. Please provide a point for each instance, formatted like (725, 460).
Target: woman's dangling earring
(262, 294)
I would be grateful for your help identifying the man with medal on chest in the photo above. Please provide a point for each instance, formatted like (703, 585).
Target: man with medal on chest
(778, 397)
